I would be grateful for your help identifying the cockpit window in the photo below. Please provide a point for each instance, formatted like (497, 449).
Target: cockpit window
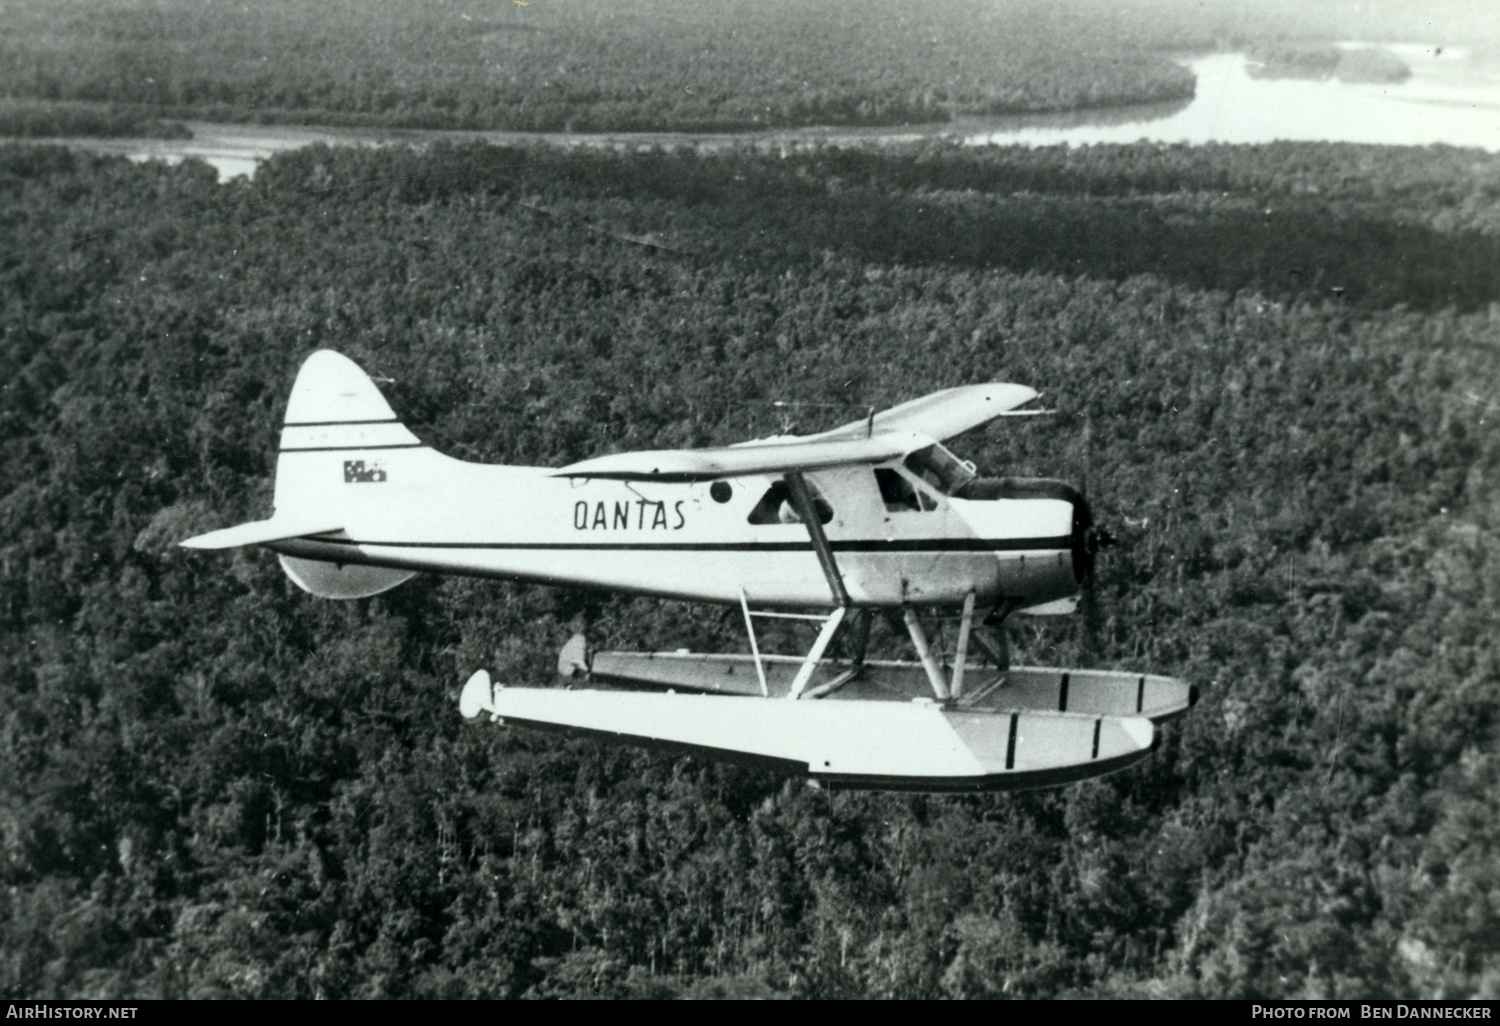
(899, 494)
(940, 468)
(775, 507)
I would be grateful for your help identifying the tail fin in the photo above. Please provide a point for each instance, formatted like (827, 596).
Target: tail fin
(339, 433)
(339, 430)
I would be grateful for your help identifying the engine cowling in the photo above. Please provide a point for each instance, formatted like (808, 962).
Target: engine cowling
(1088, 537)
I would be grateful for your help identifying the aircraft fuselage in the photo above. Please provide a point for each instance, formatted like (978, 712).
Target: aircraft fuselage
(411, 508)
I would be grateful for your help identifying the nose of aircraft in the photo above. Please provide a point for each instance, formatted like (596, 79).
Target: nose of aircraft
(1088, 538)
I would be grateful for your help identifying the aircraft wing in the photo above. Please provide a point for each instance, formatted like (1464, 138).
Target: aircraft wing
(942, 415)
(890, 434)
(767, 457)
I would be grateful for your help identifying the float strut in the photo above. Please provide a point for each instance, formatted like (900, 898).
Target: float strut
(924, 653)
(860, 642)
(830, 628)
(961, 653)
(760, 668)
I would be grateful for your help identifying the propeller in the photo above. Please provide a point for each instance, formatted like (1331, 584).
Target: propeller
(1089, 538)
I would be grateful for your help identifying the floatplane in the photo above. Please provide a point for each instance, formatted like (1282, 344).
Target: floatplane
(873, 518)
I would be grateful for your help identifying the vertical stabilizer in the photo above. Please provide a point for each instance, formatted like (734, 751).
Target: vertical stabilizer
(344, 461)
(338, 430)
(344, 456)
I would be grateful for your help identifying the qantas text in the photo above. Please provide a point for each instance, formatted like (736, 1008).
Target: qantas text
(647, 515)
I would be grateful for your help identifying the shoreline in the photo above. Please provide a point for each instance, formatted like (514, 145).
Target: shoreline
(1445, 101)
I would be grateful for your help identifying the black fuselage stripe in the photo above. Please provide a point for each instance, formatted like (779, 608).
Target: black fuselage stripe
(1010, 745)
(905, 545)
(356, 448)
(338, 423)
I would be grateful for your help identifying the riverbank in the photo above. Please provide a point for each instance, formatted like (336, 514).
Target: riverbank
(234, 149)
(1447, 100)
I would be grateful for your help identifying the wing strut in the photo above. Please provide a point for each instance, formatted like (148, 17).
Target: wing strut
(802, 501)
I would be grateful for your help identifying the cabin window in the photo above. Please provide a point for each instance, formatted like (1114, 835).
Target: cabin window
(900, 495)
(775, 507)
(940, 468)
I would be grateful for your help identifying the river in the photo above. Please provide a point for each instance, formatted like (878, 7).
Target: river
(1448, 99)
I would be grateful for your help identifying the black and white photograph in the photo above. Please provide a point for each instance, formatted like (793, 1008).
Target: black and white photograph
(702, 499)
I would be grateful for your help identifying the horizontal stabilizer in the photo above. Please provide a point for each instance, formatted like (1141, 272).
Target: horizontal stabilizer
(1058, 607)
(778, 457)
(915, 746)
(477, 696)
(261, 532)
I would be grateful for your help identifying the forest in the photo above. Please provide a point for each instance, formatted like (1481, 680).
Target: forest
(141, 67)
(576, 65)
(40, 119)
(214, 785)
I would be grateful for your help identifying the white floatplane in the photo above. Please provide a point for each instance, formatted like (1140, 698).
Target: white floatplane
(874, 517)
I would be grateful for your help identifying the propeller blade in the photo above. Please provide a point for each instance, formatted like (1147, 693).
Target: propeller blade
(1088, 454)
(1094, 538)
(1092, 618)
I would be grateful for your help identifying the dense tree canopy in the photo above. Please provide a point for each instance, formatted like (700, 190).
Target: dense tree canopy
(212, 784)
(582, 65)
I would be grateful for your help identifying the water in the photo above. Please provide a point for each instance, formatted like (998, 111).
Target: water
(227, 165)
(237, 150)
(1448, 99)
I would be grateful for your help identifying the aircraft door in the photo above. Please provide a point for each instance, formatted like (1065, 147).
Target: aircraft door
(939, 558)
